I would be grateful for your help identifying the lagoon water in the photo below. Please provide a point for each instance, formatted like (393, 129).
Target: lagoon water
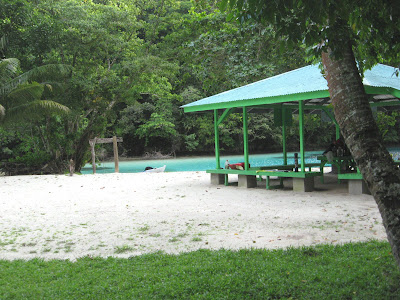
(204, 163)
(196, 163)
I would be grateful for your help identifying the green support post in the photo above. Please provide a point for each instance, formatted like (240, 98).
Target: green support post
(284, 136)
(337, 132)
(330, 115)
(245, 140)
(301, 132)
(224, 115)
(216, 133)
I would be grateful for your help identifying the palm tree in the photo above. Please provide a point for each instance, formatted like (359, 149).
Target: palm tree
(21, 96)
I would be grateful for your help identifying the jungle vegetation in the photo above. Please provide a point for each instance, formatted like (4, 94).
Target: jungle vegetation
(125, 68)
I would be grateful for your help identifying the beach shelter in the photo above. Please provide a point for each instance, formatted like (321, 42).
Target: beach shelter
(301, 89)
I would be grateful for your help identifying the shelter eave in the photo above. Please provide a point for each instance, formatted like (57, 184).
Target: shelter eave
(257, 102)
(374, 90)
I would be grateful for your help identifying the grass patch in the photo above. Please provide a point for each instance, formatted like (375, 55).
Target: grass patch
(144, 229)
(123, 249)
(182, 235)
(351, 271)
(196, 239)
(6, 242)
(28, 244)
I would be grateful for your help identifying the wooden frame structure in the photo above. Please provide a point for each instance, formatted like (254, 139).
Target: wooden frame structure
(113, 140)
(301, 90)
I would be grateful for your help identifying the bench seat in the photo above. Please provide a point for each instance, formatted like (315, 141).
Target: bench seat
(302, 181)
(356, 184)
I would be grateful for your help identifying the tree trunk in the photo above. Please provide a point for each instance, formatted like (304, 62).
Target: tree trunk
(82, 147)
(362, 137)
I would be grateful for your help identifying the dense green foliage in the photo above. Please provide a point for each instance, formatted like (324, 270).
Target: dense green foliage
(372, 25)
(134, 63)
(351, 271)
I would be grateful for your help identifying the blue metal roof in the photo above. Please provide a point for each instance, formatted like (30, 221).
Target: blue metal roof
(382, 76)
(303, 80)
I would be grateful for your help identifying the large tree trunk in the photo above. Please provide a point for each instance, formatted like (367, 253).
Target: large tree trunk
(82, 147)
(361, 134)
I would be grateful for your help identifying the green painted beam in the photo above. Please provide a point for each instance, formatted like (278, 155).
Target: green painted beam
(396, 93)
(350, 176)
(216, 133)
(301, 133)
(337, 131)
(289, 174)
(277, 105)
(224, 115)
(391, 103)
(229, 171)
(259, 101)
(245, 139)
(284, 135)
(266, 173)
(306, 107)
(330, 115)
(381, 90)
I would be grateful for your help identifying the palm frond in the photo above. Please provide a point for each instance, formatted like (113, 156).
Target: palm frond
(2, 113)
(42, 74)
(8, 69)
(34, 110)
(3, 42)
(53, 87)
(47, 106)
(45, 73)
(26, 93)
(12, 84)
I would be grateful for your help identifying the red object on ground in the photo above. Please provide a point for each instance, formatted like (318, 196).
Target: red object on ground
(235, 166)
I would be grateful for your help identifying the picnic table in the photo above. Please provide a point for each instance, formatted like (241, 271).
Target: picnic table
(343, 164)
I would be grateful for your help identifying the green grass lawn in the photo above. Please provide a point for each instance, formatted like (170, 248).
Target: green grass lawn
(357, 271)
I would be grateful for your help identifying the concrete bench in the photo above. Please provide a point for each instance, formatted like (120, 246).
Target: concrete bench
(290, 167)
(302, 181)
(246, 178)
(356, 183)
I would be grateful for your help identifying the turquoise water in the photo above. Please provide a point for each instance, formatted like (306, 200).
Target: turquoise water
(205, 163)
(196, 163)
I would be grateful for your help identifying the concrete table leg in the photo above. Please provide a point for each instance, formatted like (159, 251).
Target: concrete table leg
(303, 184)
(247, 181)
(217, 178)
(357, 187)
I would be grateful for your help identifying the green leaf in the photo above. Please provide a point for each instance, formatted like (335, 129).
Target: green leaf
(223, 4)
(230, 16)
(27, 92)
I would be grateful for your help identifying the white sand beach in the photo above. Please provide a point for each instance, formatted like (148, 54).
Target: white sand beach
(63, 217)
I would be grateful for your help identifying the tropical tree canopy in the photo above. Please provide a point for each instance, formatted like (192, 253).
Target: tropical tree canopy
(348, 36)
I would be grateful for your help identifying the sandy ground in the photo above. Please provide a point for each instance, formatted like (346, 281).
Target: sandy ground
(63, 217)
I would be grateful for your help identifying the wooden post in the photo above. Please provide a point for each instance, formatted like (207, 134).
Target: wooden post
(115, 147)
(113, 140)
